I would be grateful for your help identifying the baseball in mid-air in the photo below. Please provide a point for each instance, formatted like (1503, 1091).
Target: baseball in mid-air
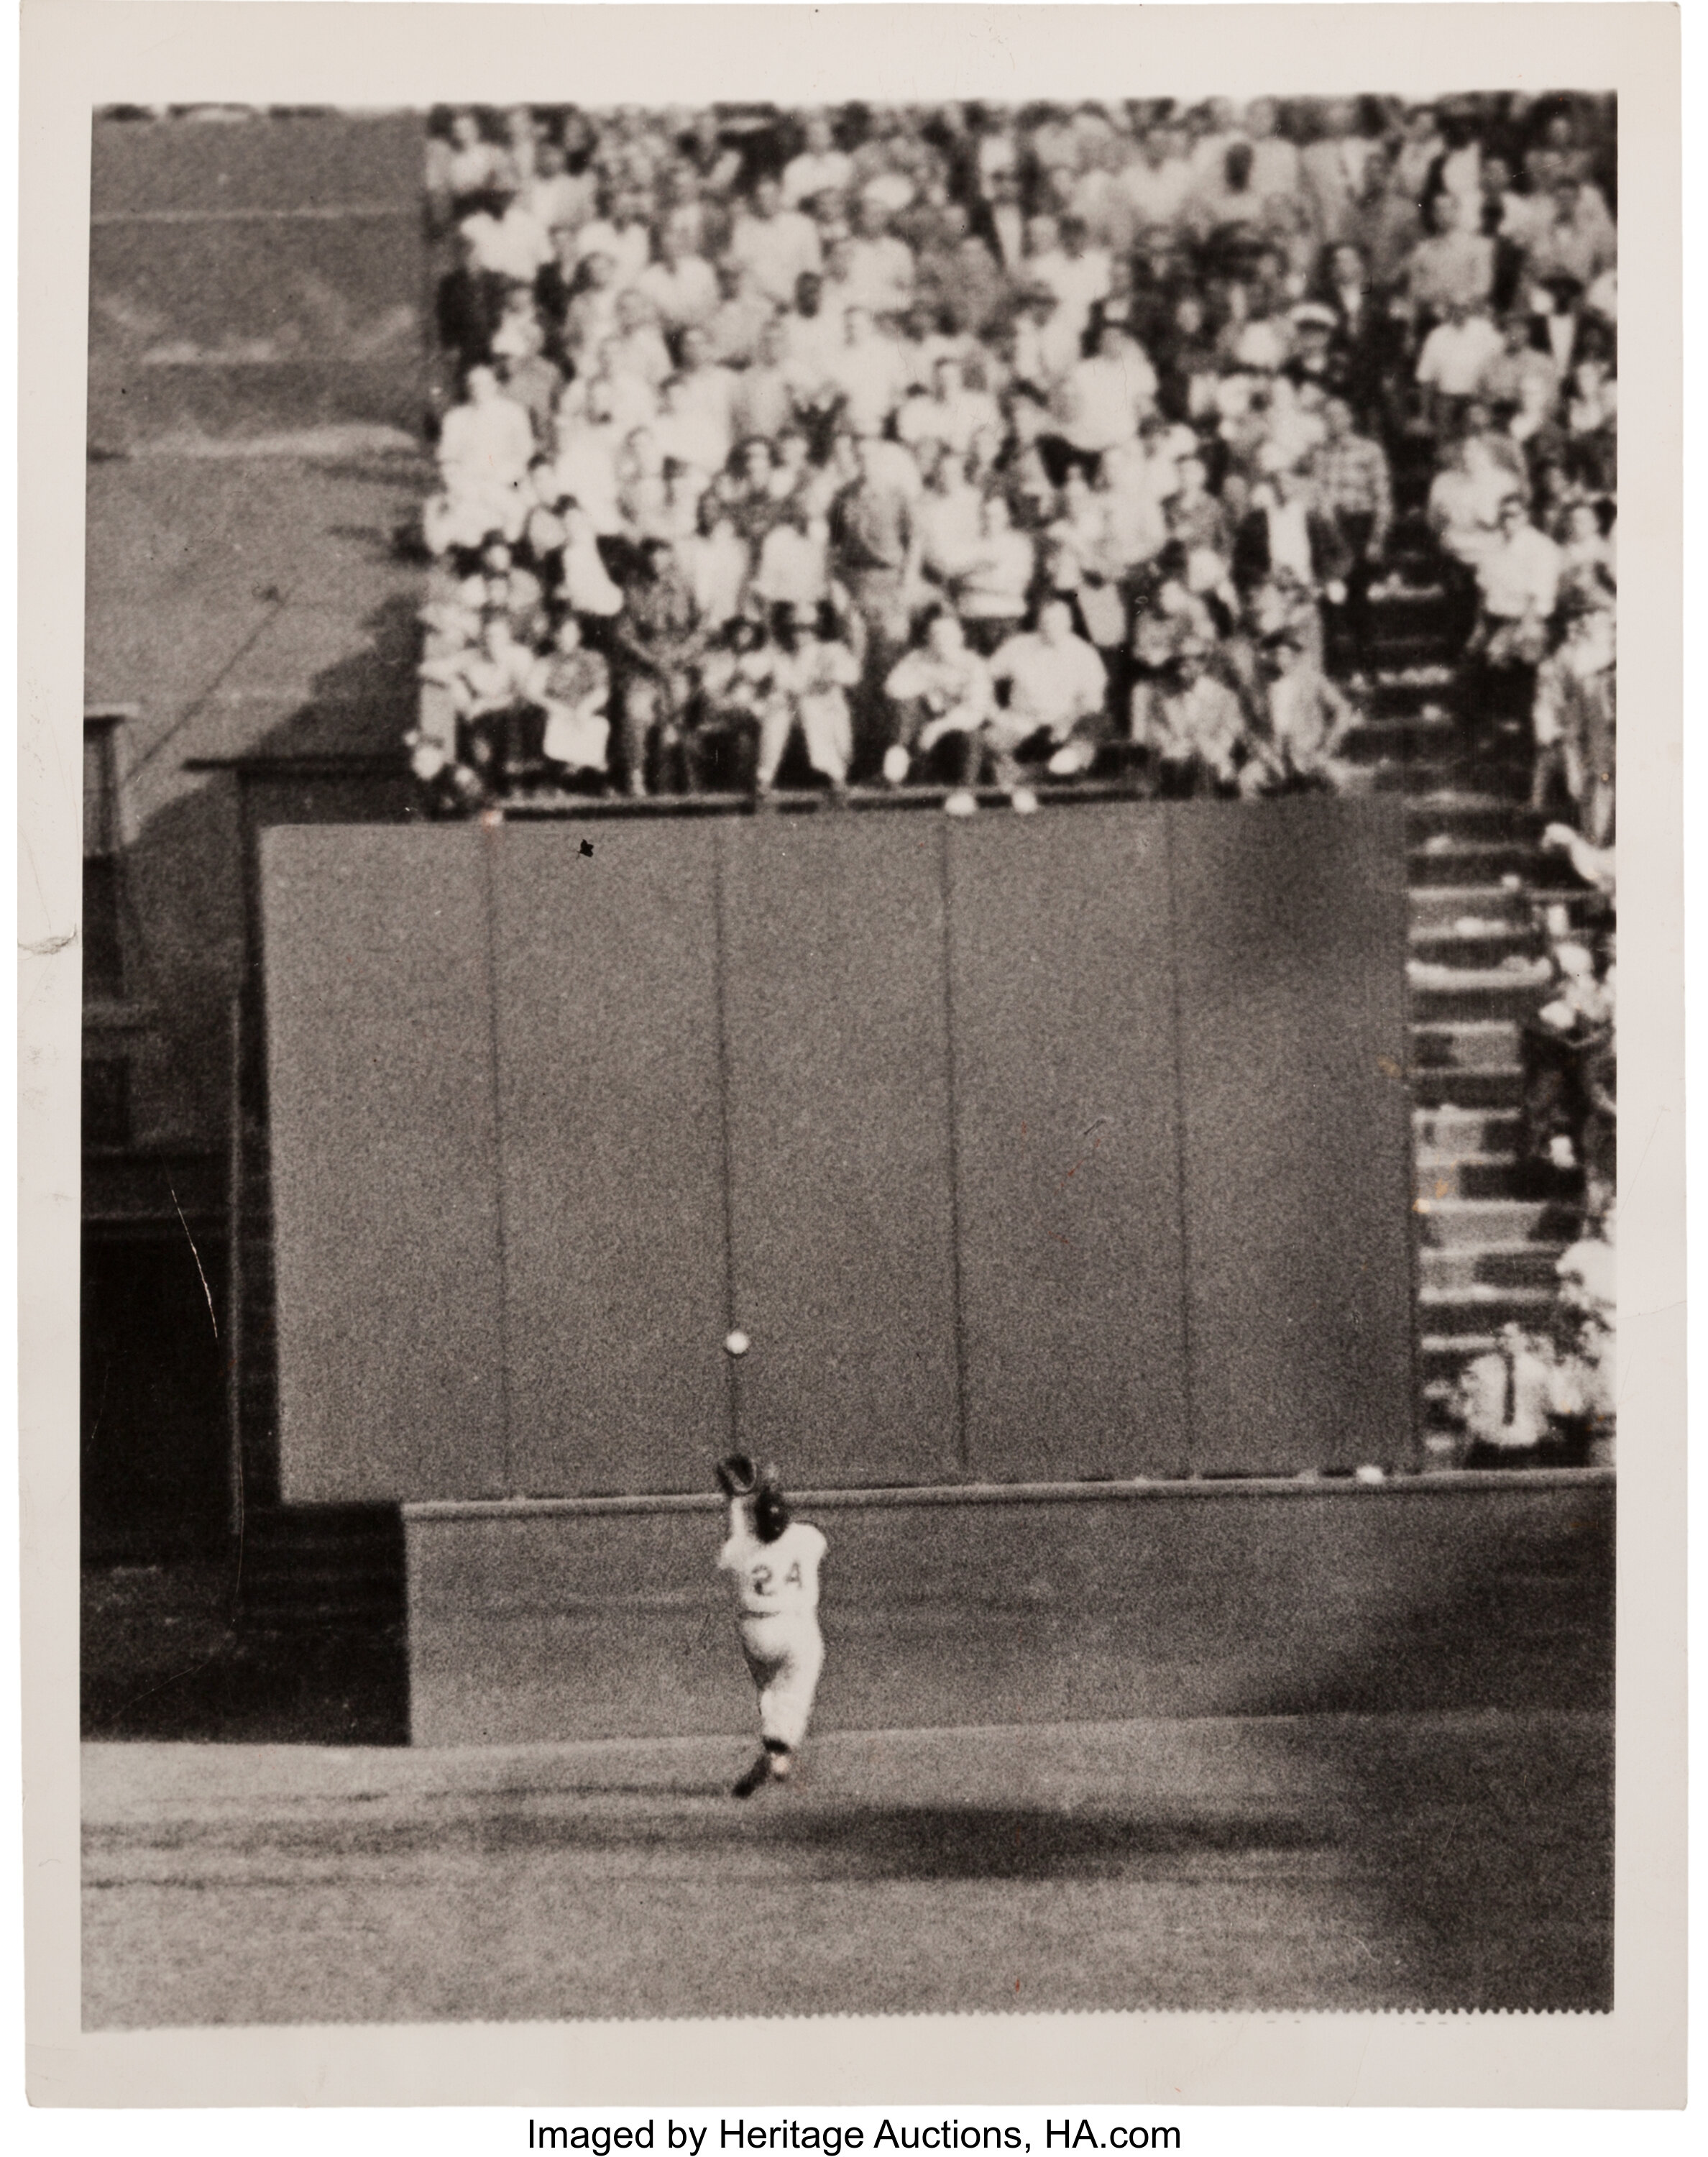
(736, 1342)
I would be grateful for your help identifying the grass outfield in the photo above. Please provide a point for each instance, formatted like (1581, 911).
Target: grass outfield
(1424, 1860)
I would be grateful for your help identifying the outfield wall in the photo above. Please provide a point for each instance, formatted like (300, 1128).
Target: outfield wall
(1075, 1146)
(530, 1623)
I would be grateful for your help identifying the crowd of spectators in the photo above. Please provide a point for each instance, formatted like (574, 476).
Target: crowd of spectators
(982, 445)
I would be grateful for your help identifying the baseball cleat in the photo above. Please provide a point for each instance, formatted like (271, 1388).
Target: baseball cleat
(760, 1772)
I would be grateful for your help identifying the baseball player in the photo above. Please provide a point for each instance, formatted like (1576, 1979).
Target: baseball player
(775, 1560)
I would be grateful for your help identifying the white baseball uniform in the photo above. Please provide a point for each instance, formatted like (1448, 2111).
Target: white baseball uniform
(778, 1584)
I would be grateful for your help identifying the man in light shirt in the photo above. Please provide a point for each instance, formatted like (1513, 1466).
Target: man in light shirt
(487, 443)
(821, 168)
(881, 267)
(681, 285)
(943, 699)
(1059, 258)
(623, 231)
(1057, 685)
(1102, 400)
(951, 414)
(774, 244)
(869, 371)
(1160, 183)
(1451, 364)
(514, 244)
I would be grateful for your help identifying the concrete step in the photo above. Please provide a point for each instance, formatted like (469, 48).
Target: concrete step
(1485, 1309)
(1465, 1045)
(1442, 858)
(1464, 1130)
(1463, 1271)
(1487, 1223)
(1496, 1176)
(1439, 907)
(1499, 1087)
(1441, 1356)
(1473, 945)
(1483, 814)
(1470, 993)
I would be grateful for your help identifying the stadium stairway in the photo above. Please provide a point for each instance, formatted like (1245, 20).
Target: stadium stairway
(1490, 1226)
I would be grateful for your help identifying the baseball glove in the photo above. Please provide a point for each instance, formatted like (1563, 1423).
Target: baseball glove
(737, 1476)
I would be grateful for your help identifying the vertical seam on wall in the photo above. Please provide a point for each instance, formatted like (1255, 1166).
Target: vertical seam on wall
(963, 1441)
(732, 1383)
(1170, 813)
(489, 837)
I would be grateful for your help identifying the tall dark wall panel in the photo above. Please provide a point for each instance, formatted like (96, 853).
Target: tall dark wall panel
(612, 1154)
(384, 1160)
(841, 1200)
(1290, 929)
(1067, 1145)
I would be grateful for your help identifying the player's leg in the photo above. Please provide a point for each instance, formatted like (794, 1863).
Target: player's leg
(763, 1654)
(785, 1704)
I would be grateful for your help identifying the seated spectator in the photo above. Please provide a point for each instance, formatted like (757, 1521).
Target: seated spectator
(485, 447)
(793, 569)
(951, 414)
(867, 372)
(622, 232)
(820, 167)
(881, 267)
(1453, 267)
(1057, 685)
(588, 316)
(1520, 374)
(737, 692)
(1506, 1402)
(945, 702)
(680, 285)
(1189, 726)
(659, 637)
(573, 688)
(994, 586)
(1100, 404)
(1060, 260)
(494, 692)
(1306, 718)
(775, 245)
(1352, 490)
(812, 674)
(715, 564)
(505, 239)
(742, 314)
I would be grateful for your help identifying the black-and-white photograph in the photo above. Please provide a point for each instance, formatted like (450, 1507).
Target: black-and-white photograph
(848, 1131)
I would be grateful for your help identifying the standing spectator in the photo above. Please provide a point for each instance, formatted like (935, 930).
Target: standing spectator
(1354, 491)
(876, 550)
(1451, 363)
(1335, 171)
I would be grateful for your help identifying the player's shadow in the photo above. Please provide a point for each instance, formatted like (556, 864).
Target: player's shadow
(1021, 1842)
